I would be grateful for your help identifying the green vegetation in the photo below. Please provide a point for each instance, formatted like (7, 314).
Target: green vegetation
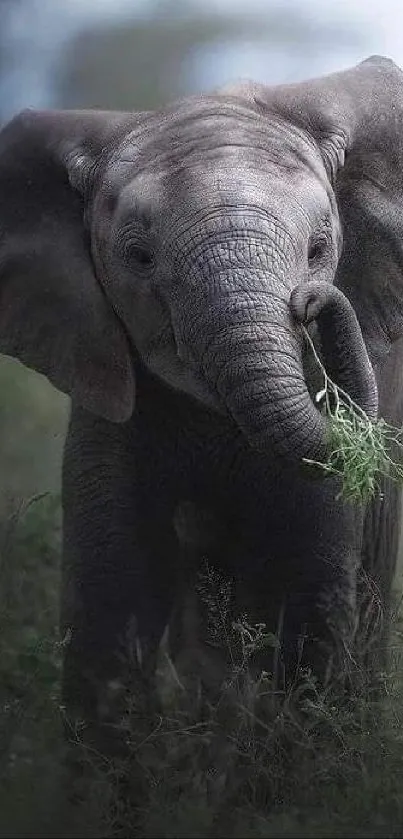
(32, 422)
(254, 761)
(257, 761)
(359, 449)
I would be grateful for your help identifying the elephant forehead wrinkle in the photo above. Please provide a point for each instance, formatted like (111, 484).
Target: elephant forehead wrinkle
(227, 254)
(274, 218)
(198, 129)
(228, 228)
(264, 190)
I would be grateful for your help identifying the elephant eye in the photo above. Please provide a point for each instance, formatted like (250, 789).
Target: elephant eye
(140, 255)
(316, 249)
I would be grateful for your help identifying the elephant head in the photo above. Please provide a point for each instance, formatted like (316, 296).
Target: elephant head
(193, 240)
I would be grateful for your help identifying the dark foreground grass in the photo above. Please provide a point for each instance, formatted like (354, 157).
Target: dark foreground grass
(255, 762)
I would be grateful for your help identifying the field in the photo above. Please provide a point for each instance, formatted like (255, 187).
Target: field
(248, 765)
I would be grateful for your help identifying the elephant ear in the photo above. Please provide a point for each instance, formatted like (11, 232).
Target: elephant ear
(356, 120)
(54, 316)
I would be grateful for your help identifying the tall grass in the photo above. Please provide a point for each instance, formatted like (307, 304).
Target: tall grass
(251, 759)
(257, 759)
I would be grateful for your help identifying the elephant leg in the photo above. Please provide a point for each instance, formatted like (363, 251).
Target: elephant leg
(198, 530)
(119, 569)
(302, 582)
(380, 555)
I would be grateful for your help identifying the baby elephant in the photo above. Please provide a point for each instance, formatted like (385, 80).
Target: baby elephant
(159, 268)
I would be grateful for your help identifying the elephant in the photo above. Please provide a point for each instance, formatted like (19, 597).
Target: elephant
(158, 267)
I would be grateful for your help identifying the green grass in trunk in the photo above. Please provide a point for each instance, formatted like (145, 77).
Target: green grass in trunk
(359, 449)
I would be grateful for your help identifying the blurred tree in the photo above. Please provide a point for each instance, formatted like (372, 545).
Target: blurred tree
(6, 47)
(143, 64)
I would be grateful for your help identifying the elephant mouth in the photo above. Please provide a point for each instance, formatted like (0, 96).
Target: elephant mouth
(166, 364)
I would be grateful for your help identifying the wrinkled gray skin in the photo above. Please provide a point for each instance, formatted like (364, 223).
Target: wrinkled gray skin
(158, 267)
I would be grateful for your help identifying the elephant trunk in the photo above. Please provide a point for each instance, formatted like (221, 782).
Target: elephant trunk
(249, 349)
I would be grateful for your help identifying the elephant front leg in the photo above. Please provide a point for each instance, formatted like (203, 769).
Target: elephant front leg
(200, 535)
(303, 582)
(119, 574)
